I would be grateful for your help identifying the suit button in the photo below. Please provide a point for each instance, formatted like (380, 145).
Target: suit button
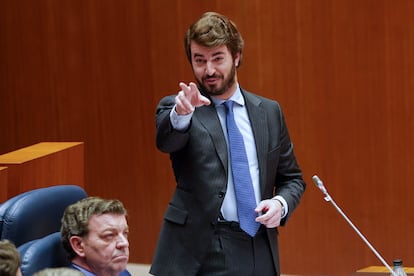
(221, 195)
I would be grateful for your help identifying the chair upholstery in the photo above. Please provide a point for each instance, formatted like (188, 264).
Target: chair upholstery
(37, 213)
(4, 206)
(42, 253)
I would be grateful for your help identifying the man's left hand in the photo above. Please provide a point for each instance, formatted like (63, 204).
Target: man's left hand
(271, 212)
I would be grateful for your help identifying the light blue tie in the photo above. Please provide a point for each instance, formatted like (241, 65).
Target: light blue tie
(242, 180)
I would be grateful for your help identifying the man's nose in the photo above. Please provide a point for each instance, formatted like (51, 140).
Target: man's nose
(122, 241)
(210, 69)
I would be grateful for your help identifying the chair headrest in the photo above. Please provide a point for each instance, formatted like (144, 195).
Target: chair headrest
(43, 253)
(36, 213)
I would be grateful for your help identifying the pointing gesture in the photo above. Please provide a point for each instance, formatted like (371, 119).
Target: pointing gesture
(189, 98)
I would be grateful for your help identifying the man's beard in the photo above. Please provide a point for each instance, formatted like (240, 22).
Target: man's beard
(214, 90)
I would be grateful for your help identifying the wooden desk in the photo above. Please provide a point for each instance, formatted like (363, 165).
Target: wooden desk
(42, 165)
(380, 271)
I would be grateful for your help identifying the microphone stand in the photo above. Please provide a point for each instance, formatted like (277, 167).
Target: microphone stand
(328, 198)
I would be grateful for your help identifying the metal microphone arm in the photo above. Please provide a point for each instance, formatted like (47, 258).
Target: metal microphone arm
(328, 198)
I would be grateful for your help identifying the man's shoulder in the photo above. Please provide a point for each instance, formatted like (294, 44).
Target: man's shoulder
(87, 273)
(259, 100)
(125, 273)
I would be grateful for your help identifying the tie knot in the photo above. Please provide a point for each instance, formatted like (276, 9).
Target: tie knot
(229, 106)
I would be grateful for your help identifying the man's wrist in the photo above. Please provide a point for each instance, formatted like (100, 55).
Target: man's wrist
(283, 203)
(180, 122)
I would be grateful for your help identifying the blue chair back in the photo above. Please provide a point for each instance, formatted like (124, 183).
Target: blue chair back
(42, 253)
(36, 213)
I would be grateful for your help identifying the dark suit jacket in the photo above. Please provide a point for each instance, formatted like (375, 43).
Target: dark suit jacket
(199, 159)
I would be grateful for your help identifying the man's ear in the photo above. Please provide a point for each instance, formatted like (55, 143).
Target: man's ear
(237, 60)
(77, 245)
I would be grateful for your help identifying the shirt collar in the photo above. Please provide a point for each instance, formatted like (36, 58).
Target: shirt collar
(237, 97)
(84, 271)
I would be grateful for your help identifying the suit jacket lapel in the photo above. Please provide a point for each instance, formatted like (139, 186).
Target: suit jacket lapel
(209, 119)
(258, 121)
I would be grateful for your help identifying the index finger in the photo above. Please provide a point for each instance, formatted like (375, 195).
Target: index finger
(187, 90)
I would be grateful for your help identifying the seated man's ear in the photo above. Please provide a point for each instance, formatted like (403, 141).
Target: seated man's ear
(77, 245)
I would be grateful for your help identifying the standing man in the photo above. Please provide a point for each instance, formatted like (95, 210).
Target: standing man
(237, 176)
(95, 235)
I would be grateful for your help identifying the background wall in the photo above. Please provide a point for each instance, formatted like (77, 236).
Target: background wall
(94, 70)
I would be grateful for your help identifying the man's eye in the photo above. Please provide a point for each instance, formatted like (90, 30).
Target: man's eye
(109, 236)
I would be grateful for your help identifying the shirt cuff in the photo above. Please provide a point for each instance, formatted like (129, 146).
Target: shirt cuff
(180, 122)
(285, 207)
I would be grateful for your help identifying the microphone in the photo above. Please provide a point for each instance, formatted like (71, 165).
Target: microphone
(320, 185)
(328, 198)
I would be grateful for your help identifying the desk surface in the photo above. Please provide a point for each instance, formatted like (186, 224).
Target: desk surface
(382, 270)
(35, 151)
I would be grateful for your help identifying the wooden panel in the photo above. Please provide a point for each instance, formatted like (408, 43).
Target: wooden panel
(94, 70)
(3, 184)
(42, 165)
